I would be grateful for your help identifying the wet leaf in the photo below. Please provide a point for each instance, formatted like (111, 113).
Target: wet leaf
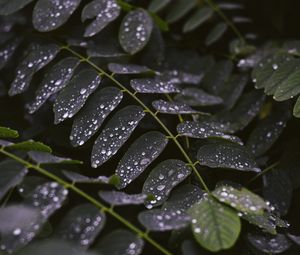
(50, 14)
(163, 106)
(296, 110)
(216, 33)
(33, 62)
(115, 134)
(202, 129)
(269, 243)
(139, 155)
(78, 178)
(8, 50)
(55, 80)
(90, 118)
(162, 179)
(135, 31)
(198, 18)
(6, 132)
(121, 198)
(215, 226)
(241, 199)
(179, 9)
(163, 220)
(72, 98)
(104, 12)
(120, 241)
(227, 155)
(157, 5)
(150, 85)
(81, 225)
(8, 7)
(47, 158)
(30, 146)
(11, 174)
(127, 68)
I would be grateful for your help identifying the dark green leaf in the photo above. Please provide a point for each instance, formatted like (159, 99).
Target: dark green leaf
(216, 33)
(296, 110)
(127, 68)
(172, 107)
(179, 9)
(8, 50)
(157, 5)
(199, 17)
(121, 198)
(8, 133)
(78, 178)
(157, 85)
(8, 7)
(47, 158)
(30, 146)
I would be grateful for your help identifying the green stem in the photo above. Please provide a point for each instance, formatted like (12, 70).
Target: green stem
(224, 17)
(89, 198)
(133, 95)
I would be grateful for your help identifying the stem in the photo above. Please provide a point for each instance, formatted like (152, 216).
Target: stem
(133, 95)
(224, 17)
(89, 198)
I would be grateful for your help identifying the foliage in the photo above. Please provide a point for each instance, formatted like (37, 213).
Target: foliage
(145, 128)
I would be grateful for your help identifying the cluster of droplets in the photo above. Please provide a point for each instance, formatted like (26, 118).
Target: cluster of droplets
(33, 62)
(122, 198)
(127, 68)
(139, 155)
(105, 12)
(157, 85)
(89, 120)
(162, 179)
(172, 107)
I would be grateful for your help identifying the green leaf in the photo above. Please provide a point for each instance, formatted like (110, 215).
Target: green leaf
(72, 98)
(216, 33)
(153, 85)
(11, 174)
(116, 133)
(78, 178)
(127, 68)
(120, 241)
(215, 226)
(30, 146)
(227, 155)
(50, 14)
(241, 199)
(174, 107)
(117, 198)
(135, 31)
(157, 5)
(47, 158)
(81, 225)
(8, 7)
(104, 12)
(32, 63)
(7, 50)
(90, 118)
(179, 9)
(296, 110)
(55, 80)
(198, 18)
(139, 156)
(162, 179)
(8, 133)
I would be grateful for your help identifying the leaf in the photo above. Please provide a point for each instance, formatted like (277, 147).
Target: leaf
(197, 97)
(215, 226)
(197, 19)
(72, 98)
(202, 129)
(135, 31)
(162, 179)
(8, 7)
(157, 85)
(179, 9)
(139, 155)
(241, 199)
(8, 50)
(267, 132)
(157, 5)
(81, 225)
(115, 134)
(118, 198)
(54, 246)
(90, 118)
(183, 197)
(47, 158)
(11, 174)
(119, 242)
(163, 220)
(78, 178)
(127, 68)
(55, 80)
(216, 33)
(227, 155)
(33, 62)
(27, 187)
(50, 14)
(104, 12)
(30, 146)
(296, 110)
(163, 106)
(269, 243)
(6, 132)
